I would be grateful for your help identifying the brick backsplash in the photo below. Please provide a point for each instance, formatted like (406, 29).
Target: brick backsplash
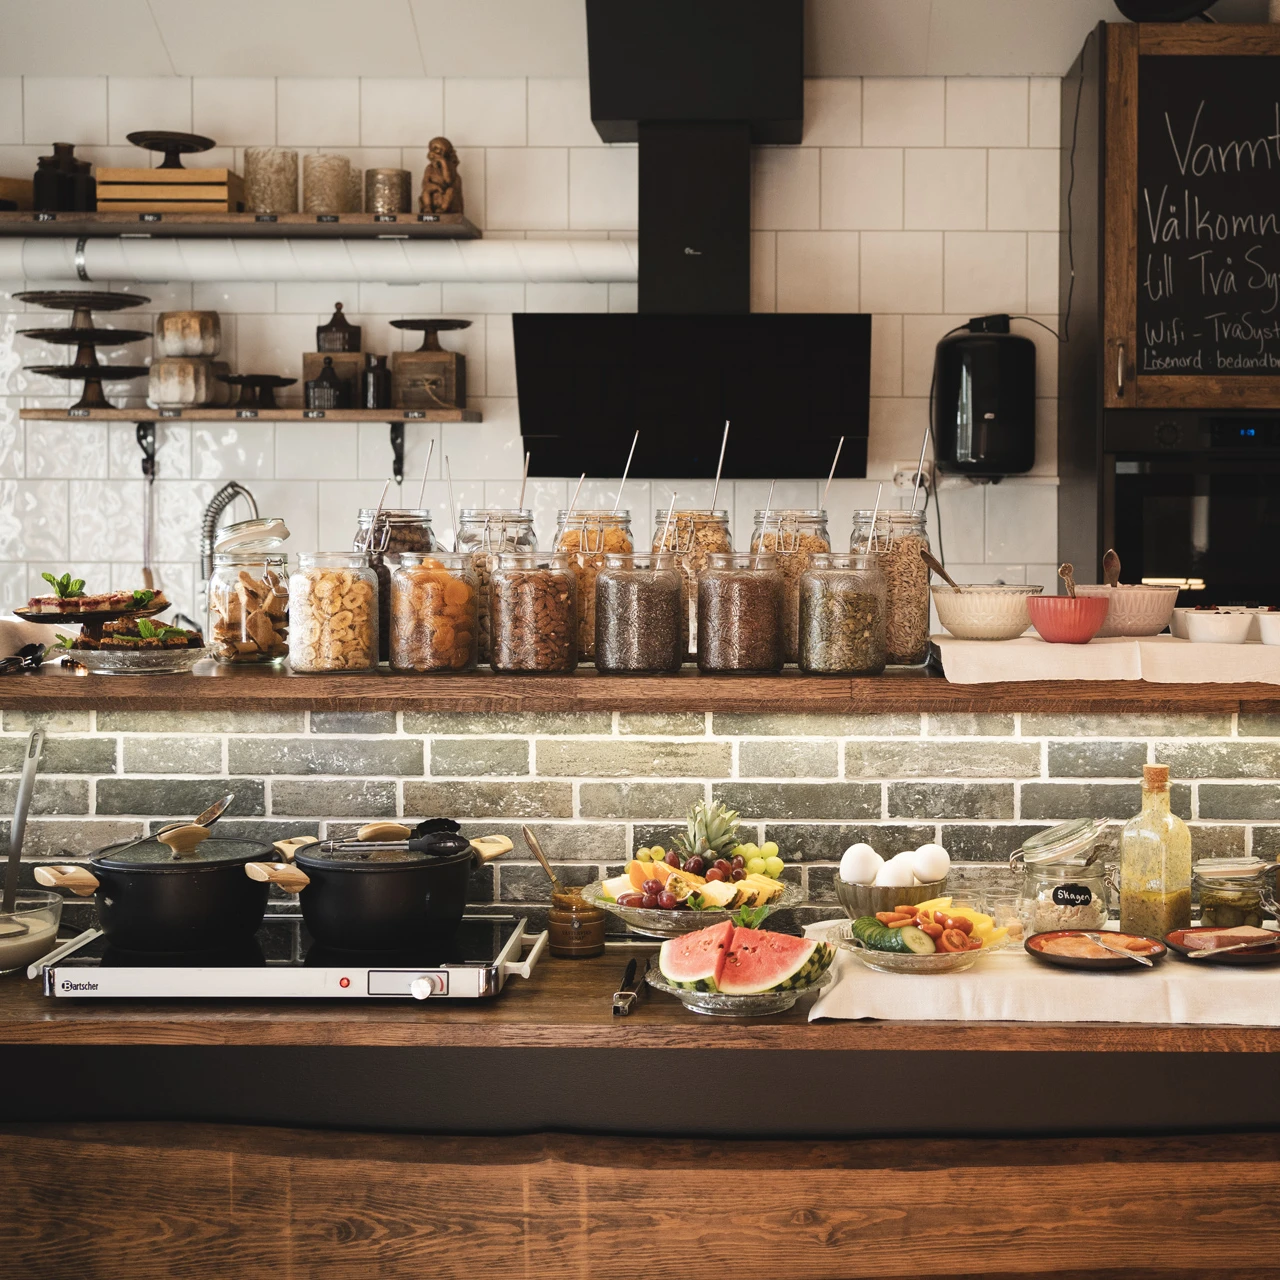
(595, 786)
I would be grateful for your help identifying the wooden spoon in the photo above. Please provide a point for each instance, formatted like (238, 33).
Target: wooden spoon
(936, 565)
(532, 841)
(1068, 574)
(1111, 568)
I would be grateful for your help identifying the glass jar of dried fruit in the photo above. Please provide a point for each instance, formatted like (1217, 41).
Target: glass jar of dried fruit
(333, 613)
(434, 613)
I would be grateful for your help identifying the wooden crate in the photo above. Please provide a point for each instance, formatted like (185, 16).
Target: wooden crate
(170, 191)
(19, 190)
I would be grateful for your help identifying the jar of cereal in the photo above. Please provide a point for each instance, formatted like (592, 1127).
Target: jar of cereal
(899, 536)
(586, 537)
(795, 537)
(740, 615)
(384, 532)
(434, 613)
(333, 613)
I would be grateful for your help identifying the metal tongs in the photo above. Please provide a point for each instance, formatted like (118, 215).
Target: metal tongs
(28, 658)
(629, 991)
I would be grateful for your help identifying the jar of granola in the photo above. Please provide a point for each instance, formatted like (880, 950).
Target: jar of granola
(434, 613)
(842, 602)
(638, 615)
(333, 613)
(586, 537)
(900, 536)
(384, 533)
(693, 536)
(740, 601)
(486, 533)
(795, 537)
(533, 614)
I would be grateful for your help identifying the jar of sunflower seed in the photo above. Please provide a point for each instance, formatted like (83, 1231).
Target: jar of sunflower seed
(899, 536)
(586, 537)
(333, 613)
(795, 537)
(694, 537)
(485, 533)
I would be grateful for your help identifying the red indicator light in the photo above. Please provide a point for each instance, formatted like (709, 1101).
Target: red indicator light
(344, 982)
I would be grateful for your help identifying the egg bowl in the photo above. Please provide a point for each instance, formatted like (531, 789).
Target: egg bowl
(866, 899)
(1133, 610)
(996, 612)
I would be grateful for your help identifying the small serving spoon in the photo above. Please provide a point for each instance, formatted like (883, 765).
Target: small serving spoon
(1120, 951)
(532, 841)
(206, 819)
(1111, 569)
(1068, 574)
(936, 565)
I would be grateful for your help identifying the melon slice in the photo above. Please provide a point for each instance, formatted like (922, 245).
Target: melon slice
(758, 961)
(615, 888)
(695, 960)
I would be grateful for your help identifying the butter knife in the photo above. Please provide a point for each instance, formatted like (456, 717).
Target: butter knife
(1119, 951)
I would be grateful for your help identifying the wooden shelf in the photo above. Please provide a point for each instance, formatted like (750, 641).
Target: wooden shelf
(232, 414)
(366, 226)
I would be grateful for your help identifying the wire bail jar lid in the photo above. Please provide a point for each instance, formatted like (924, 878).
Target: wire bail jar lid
(264, 533)
(1070, 844)
(1231, 868)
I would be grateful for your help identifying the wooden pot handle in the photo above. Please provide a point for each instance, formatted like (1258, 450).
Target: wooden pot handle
(80, 880)
(290, 878)
(387, 831)
(287, 848)
(490, 847)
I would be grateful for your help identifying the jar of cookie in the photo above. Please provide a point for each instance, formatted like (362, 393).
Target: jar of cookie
(486, 533)
(434, 613)
(333, 613)
(586, 537)
(533, 604)
(248, 597)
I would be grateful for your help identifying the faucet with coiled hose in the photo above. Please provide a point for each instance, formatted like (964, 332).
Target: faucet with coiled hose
(220, 501)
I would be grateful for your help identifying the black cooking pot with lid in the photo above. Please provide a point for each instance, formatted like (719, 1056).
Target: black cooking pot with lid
(150, 898)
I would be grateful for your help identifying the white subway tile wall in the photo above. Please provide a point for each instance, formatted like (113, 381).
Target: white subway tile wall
(922, 201)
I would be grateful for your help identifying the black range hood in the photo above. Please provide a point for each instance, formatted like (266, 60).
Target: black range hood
(695, 83)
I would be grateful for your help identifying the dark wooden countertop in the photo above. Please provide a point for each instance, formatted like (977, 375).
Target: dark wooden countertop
(565, 1005)
(214, 688)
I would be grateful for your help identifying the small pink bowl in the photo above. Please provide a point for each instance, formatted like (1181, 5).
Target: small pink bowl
(1063, 620)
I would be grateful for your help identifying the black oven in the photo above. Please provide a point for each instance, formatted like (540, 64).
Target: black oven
(1193, 497)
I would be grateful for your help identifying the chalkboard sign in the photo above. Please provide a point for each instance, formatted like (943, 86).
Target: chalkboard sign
(1208, 216)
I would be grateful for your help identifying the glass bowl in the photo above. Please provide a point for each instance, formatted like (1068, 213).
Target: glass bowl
(996, 612)
(840, 934)
(718, 1004)
(657, 923)
(137, 662)
(30, 930)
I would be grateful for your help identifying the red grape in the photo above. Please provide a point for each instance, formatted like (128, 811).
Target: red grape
(715, 874)
(649, 901)
(695, 865)
(630, 899)
(723, 864)
(737, 874)
(652, 888)
(739, 862)
(673, 859)
(666, 900)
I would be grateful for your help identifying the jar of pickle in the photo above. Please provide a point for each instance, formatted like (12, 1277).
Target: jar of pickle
(333, 613)
(900, 536)
(842, 608)
(383, 534)
(795, 537)
(740, 605)
(533, 614)
(693, 537)
(434, 613)
(248, 593)
(485, 533)
(586, 537)
(639, 616)
(1232, 891)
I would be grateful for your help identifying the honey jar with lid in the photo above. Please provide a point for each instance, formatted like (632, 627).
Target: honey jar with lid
(576, 928)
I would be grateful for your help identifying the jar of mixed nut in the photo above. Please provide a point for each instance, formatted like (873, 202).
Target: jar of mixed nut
(434, 613)
(486, 533)
(842, 608)
(740, 606)
(333, 613)
(383, 535)
(586, 537)
(1232, 892)
(900, 536)
(794, 537)
(533, 614)
(249, 606)
(638, 615)
(693, 536)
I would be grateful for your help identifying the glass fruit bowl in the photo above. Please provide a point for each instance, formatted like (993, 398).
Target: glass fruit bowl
(718, 1004)
(657, 923)
(840, 933)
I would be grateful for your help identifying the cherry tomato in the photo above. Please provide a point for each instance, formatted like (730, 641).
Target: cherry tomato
(958, 922)
(975, 944)
(953, 940)
(933, 930)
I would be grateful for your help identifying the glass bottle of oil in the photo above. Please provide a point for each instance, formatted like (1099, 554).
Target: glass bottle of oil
(1155, 863)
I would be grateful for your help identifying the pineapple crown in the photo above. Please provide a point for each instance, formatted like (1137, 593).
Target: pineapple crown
(710, 829)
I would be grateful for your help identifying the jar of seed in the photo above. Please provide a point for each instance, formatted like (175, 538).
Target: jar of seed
(842, 613)
(485, 533)
(586, 537)
(740, 605)
(533, 618)
(899, 536)
(433, 613)
(383, 534)
(638, 615)
(794, 537)
(693, 537)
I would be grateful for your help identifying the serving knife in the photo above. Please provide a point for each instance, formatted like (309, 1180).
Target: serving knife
(1206, 952)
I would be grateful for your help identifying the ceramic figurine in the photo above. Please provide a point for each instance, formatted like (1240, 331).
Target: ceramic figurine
(441, 181)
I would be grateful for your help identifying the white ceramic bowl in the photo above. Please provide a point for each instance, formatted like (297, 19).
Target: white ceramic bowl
(984, 613)
(1269, 627)
(1217, 628)
(1178, 623)
(1135, 610)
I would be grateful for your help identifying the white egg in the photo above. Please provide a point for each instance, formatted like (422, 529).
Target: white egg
(895, 874)
(907, 856)
(931, 862)
(860, 864)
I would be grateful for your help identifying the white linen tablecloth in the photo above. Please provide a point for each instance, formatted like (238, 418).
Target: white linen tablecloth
(1009, 986)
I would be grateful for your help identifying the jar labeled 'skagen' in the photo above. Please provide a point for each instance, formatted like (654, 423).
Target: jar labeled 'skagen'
(740, 608)
(586, 537)
(638, 615)
(1065, 884)
(842, 610)
(383, 533)
(485, 533)
(533, 614)
(693, 537)
(795, 537)
(333, 613)
(434, 613)
(899, 536)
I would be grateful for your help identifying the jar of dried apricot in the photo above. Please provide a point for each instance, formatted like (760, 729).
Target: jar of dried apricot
(434, 613)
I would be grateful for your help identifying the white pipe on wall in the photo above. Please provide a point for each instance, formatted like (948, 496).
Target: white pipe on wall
(128, 259)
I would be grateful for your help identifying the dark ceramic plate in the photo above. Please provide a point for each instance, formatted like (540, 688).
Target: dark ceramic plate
(1178, 941)
(93, 615)
(1034, 947)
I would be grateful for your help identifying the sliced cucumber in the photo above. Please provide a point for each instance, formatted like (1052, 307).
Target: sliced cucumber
(917, 941)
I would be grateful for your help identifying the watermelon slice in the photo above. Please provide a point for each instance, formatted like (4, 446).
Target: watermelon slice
(695, 960)
(758, 961)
